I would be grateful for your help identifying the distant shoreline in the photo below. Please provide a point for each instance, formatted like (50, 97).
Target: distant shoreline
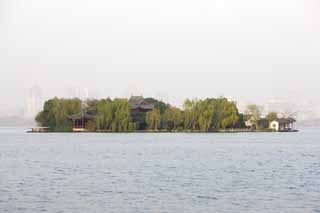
(164, 131)
(149, 115)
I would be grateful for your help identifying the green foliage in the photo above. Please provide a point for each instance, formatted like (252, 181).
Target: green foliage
(191, 114)
(55, 113)
(91, 126)
(241, 122)
(253, 113)
(92, 104)
(160, 105)
(114, 115)
(209, 114)
(139, 120)
(172, 118)
(207, 110)
(272, 116)
(122, 116)
(104, 115)
(153, 119)
(229, 113)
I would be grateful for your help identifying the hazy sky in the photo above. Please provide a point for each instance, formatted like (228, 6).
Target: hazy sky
(252, 50)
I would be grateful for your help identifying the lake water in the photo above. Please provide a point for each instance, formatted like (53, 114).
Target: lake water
(245, 172)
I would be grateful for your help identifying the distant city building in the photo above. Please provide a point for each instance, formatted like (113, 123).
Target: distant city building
(33, 102)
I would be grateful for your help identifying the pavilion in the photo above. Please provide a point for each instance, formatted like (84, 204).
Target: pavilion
(80, 120)
(138, 105)
(283, 125)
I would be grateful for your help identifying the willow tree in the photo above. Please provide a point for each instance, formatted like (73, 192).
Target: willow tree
(158, 104)
(122, 116)
(55, 113)
(191, 114)
(229, 114)
(272, 116)
(206, 113)
(153, 119)
(104, 115)
(253, 113)
(113, 115)
(172, 118)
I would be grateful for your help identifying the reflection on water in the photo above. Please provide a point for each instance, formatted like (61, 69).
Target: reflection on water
(247, 172)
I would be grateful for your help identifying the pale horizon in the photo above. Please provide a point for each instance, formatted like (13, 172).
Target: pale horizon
(250, 51)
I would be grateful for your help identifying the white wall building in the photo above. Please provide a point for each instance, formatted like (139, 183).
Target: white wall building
(283, 124)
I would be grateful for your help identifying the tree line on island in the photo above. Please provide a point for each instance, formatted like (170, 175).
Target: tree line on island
(119, 115)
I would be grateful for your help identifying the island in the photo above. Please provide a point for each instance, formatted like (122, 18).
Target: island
(138, 114)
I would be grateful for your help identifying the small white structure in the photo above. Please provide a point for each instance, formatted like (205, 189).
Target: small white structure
(250, 123)
(283, 124)
(274, 125)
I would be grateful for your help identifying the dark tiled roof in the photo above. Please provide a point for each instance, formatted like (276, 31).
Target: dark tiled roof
(137, 102)
(286, 120)
(80, 115)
